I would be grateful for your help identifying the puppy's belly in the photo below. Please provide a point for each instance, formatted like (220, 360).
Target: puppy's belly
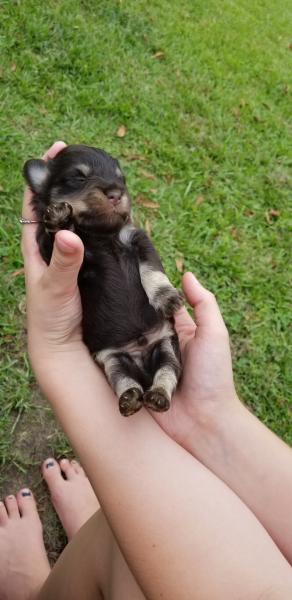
(148, 340)
(117, 316)
(142, 353)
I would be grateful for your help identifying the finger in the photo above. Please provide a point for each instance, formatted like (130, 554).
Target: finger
(29, 246)
(184, 325)
(54, 150)
(183, 319)
(206, 310)
(67, 257)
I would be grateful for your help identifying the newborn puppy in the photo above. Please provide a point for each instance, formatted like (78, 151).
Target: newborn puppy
(128, 302)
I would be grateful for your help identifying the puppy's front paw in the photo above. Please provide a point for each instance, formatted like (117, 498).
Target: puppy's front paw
(156, 399)
(130, 402)
(170, 301)
(58, 216)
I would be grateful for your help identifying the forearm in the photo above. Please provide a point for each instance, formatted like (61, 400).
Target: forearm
(166, 510)
(253, 462)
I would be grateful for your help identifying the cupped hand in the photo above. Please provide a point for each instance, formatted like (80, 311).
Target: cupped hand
(53, 299)
(206, 387)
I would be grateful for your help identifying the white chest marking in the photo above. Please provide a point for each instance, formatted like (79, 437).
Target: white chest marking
(126, 233)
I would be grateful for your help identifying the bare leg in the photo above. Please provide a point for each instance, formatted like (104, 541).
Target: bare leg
(73, 497)
(164, 507)
(91, 567)
(23, 561)
(90, 564)
(93, 561)
(109, 573)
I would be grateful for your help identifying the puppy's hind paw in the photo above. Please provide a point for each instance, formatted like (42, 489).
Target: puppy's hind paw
(130, 402)
(156, 399)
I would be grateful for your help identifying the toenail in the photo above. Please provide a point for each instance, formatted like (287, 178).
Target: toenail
(50, 463)
(10, 497)
(25, 493)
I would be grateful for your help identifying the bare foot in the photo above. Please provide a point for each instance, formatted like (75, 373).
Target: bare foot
(23, 561)
(73, 498)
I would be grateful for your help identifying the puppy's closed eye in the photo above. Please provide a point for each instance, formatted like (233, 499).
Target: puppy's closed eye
(73, 180)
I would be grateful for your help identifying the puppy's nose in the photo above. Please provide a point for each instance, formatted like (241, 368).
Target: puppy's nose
(114, 196)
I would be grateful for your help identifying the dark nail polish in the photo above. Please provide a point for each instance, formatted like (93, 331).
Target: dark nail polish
(25, 493)
(50, 464)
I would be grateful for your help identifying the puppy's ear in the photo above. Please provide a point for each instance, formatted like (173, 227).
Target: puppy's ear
(36, 173)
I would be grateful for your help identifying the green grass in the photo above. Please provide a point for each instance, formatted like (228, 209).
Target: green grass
(210, 116)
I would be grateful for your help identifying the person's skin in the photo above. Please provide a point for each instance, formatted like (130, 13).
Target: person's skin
(71, 493)
(210, 422)
(206, 416)
(163, 506)
(184, 533)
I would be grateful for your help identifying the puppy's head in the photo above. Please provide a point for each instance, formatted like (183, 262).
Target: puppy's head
(89, 179)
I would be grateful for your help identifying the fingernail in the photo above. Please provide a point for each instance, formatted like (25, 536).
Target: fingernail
(50, 463)
(25, 492)
(59, 142)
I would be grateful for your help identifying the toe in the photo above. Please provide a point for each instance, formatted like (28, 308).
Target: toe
(77, 467)
(67, 468)
(12, 507)
(26, 502)
(52, 473)
(3, 514)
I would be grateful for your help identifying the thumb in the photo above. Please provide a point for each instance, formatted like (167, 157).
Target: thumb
(66, 261)
(206, 309)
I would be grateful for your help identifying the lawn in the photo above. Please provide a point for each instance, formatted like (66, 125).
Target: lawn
(194, 98)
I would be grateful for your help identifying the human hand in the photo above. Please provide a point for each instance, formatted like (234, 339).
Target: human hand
(53, 299)
(206, 390)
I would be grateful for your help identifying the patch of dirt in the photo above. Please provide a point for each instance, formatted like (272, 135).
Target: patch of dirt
(36, 437)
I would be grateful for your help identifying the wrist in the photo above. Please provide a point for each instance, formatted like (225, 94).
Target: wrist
(51, 358)
(211, 427)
